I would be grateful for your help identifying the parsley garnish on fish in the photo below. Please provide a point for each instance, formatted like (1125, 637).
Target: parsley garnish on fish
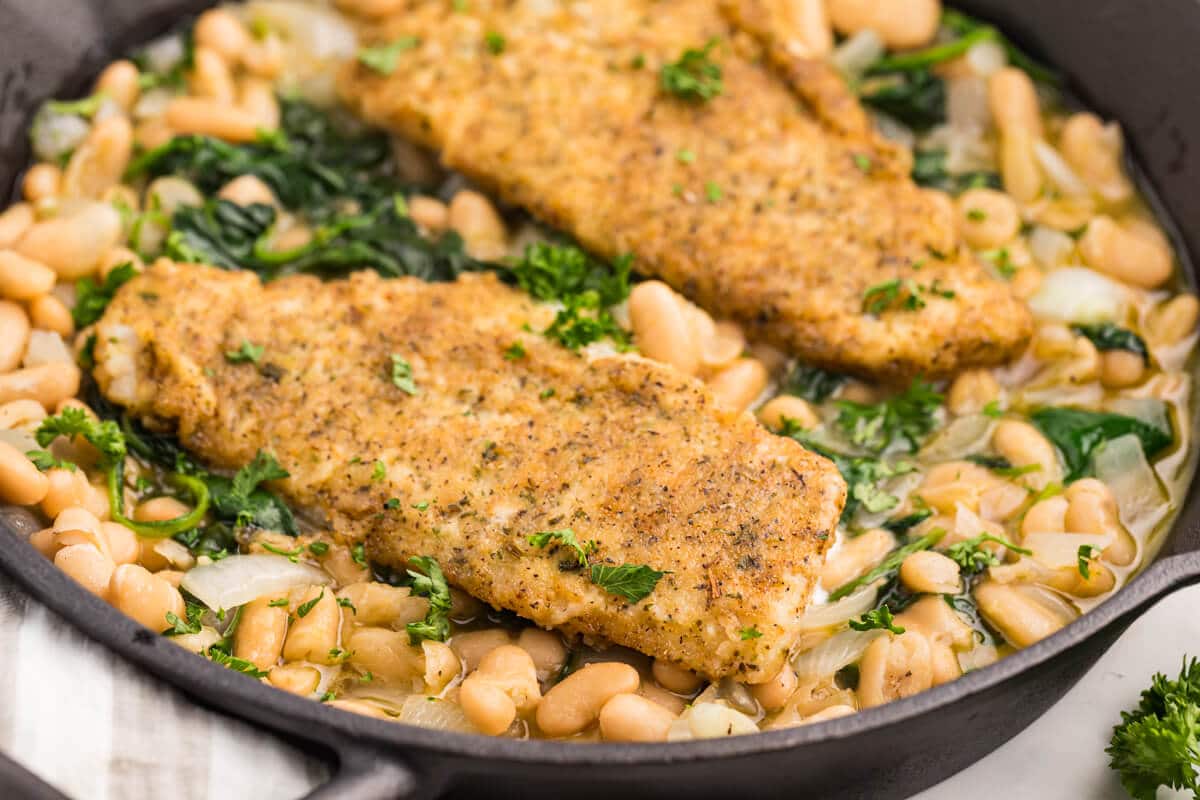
(631, 581)
(514, 352)
(246, 353)
(384, 58)
(378, 471)
(747, 634)
(430, 583)
(901, 295)
(91, 298)
(566, 538)
(713, 192)
(634, 582)
(877, 619)
(402, 375)
(495, 42)
(694, 77)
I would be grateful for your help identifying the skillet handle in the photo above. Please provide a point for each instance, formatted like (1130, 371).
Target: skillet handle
(363, 773)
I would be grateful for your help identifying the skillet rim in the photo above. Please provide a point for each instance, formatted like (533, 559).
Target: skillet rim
(279, 712)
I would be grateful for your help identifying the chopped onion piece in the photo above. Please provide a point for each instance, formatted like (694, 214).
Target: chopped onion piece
(236, 580)
(840, 650)
(1058, 170)
(432, 712)
(1050, 247)
(1056, 550)
(853, 56)
(1078, 294)
(1121, 466)
(710, 721)
(851, 606)
(986, 58)
(963, 436)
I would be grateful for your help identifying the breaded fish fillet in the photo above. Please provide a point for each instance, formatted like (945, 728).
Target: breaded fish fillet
(773, 203)
(489, 450)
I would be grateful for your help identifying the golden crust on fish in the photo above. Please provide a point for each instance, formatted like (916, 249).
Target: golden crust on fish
(624, 451)
(788, 209)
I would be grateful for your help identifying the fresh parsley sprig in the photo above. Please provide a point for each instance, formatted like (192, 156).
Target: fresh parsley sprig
(694, 77)
(1158, 743)
(430, 583)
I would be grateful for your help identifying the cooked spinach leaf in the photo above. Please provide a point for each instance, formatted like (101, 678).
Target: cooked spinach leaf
(1077, 433)
(314, 164)
(917, 97)
(1107, 336)
(812, 383)
(237, 237)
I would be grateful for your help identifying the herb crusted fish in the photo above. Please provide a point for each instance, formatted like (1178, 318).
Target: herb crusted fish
(688, 133)
(422, 419)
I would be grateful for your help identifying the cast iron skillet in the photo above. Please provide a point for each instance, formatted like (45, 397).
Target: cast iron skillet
(1129, 59)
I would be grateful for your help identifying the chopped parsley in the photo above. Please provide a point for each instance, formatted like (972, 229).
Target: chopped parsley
(972, 557)
(910, 416)
(495, 42)
(187, 626)
(747, 634)
(45, 460)
(421, 506)
(901, 295)
(91, 298)
(634, 582)
(1086, 553)
(243, 500)
(402, 375)
(247, 353)
(685, 156)
(877, 619)
(713, 192)
(309, 605)
(281, 602)
(864, 163)
(514, 352)
(379, 471)
(345, 602)
(234, 663)
(392, 503)
(889, 565)
(976, 214)
(358, 554)
(430, 583)
(291, 555)
(566, 538)
(902, 525)
(384, 58)
(993, 409)
(318, 548)
(694, 77)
